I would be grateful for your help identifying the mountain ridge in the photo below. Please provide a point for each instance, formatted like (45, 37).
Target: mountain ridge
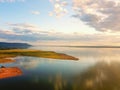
(7, 45)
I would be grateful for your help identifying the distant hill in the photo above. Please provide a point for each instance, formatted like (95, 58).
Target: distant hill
(5, 45)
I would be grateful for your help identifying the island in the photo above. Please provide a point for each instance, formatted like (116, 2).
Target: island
(7, 55)
(10, 50)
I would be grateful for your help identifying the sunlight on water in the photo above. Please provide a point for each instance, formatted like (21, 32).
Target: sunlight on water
(97, 69)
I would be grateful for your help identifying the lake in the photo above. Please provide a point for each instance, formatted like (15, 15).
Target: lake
(96, 69)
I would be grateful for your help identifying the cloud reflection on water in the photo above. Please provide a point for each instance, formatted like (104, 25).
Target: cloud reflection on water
(102, 76)
(97, 69)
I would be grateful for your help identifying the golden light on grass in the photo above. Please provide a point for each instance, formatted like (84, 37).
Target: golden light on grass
(5, 55)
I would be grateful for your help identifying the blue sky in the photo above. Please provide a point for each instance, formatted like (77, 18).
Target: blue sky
(64, 22)
(21, 11)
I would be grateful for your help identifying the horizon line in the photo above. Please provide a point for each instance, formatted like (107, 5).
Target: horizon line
(84, 46)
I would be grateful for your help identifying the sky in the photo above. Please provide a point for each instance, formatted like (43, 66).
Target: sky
(60, 22)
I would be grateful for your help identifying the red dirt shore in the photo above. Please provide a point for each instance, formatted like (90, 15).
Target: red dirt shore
(10, 72)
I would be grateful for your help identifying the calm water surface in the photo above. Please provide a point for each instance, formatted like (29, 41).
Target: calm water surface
(96, 69)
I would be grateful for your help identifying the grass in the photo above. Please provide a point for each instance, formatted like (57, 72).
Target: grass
(5, 55)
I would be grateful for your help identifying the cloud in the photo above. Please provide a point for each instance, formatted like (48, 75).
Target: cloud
(24, 28)
(103, 15)
(59, 8)
(27, 32)
(83, 39)
(28, 63)
(2, 1)
(35, 12)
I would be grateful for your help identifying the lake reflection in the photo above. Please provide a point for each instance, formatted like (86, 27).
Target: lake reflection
(97, 69)
(102, 76)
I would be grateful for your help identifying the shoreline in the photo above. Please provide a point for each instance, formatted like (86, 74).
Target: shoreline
(5, 55)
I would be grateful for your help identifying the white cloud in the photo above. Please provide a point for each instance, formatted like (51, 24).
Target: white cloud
(103, 15)
(35, 12)
(24, 28)
(2, 1)
(59, 8)
(30, 32)
(9, 32)
(27, 32)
